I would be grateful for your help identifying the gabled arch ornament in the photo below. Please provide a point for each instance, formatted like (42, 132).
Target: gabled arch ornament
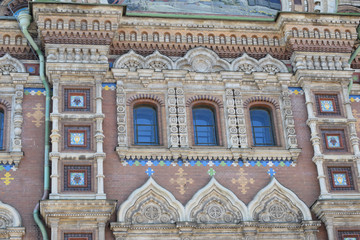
(151, 204)
(8, 65)
(214, 212)
(216, 204)
(275, 203)
(10, 223)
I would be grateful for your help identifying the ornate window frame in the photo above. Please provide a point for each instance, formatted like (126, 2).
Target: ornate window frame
(13, 75)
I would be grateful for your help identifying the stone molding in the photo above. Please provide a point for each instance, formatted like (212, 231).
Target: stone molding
(201, 60)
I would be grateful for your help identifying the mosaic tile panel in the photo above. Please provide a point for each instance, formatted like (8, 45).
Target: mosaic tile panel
(334, 140)
(77, 178)
(78, 236)
(349, 235)
(76, 99)
(341, 178)
(109, 86)
(327, 105)
(77, 137)
(35, 91)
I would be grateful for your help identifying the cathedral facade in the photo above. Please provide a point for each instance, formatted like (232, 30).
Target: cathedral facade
(154, 121)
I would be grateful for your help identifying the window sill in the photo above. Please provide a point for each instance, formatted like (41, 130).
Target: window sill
(208, 153)
(11, 158)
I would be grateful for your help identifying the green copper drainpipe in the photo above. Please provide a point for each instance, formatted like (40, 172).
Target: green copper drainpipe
(24, 19)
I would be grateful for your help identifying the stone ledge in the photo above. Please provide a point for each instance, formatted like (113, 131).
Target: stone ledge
(77, 210)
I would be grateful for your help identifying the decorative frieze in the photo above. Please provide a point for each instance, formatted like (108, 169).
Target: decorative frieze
(200, 60)
(74, 54)
(320, 61)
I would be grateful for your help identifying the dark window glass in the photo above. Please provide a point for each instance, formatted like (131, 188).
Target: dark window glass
(262, 130)
(1, 129)
(204, 126)
(145, 126)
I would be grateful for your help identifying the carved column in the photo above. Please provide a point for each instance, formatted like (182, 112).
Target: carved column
(55, 139)
(99, 135)
(121, 114)
(288, 118)
(173, 120)
(18, 118)
(232, 119)
(181, 117)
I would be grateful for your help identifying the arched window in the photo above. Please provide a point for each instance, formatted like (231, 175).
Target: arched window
(145, 126)
(2, 119)
(204, 126)
(262, 128)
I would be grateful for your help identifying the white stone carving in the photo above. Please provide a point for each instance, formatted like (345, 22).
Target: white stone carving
(158, 62)
(288, 118)
(272, 65)
(151, 203)
(201, 60)
(18, 118)
(9, 216)
(275, 203)
(245, 64)
(8, 65)
(121, 114)
(10, 223)
(317, 61)
(215, 204)
(78, 54)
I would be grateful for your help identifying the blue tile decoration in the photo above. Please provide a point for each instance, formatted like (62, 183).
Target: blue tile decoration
(34, 91)
(109, 86)
(77, 101)
(327, 105)
(340, 179)
(271, 172)
(149, 171)
(204, 162)
(350, 238)
(77, 138)
(333, 141)
(296, 91)
(77, 178)
(354, 98)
